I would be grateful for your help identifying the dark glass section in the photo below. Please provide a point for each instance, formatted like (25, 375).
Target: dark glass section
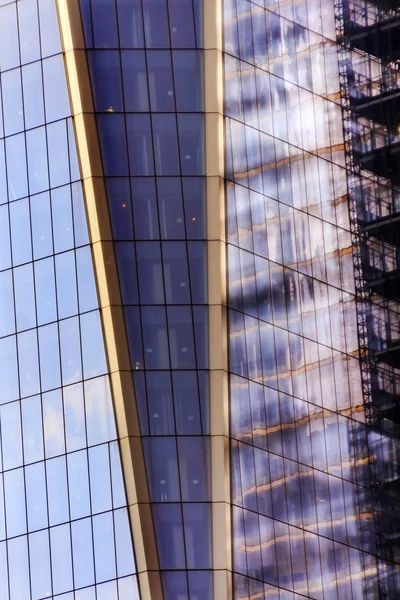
(146, 69)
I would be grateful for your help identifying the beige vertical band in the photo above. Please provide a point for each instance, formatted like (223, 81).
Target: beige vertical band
(110, 304)
(218, 332)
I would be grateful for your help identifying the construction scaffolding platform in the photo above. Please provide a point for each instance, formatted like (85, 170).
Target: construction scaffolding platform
(381, 39)
(382, 108)
(383, 161)
(386, 229)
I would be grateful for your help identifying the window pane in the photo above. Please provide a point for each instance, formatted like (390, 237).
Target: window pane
(160, 81)
(134, 73)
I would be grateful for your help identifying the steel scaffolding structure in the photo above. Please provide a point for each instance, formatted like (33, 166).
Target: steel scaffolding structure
(369, 67)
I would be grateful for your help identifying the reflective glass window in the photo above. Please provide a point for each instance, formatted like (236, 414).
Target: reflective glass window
(155, 18)
(20, 232)
(105, 67)
(18, 567)
(61, 563)
(160, 81)
(37, 160)
(50, 43)
(28, 25)
(16, 173)
(36, 496)
(32, 428)
(130, 23)
(155, 337)
(28, 363)
(188, 78)
(168, 523)
(134, 73)
(140, 144)
(191, 143)
(41, 225)
(82, 554)
(11, 86)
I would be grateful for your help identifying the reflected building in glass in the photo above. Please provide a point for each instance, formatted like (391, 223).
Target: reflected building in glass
(199, 317)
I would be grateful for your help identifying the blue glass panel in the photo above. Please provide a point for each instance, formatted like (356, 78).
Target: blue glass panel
(39, 558)
(11, 435)
(176, 272)
(50, 43)
(14, 494)
(41, 225)
(186, 402)
(104, 552)
(36, 497)
(112, 133)
(18, 568)
(162, 468)
(168, 523)
(28, 363)
(194, 197)
(104, 20)
(28, 26)
(37, 160)
(181, 16)
(7, 318)
(194, 468)
(160, 407)
(16, 173)
(160, 81)
(149, 266)
(57, 143)
(191, 143)
(8, 369)
(93, 354)
(24, 297)
(31, 410)
(67, 300)
(140, 145)
(81, 533)
(12, 101)
(134, 73)
(189, 80)
(155, 337)
(145, 208)
(61, 209)
(172, 220)
(118, 190)
(198, 538)
(105, 68)
(9, 50)
(125, 560)
(130, 23)
(61, 567)
(175, 585)
(180, 327)
(165, 142)
(156, 23)
(127, 272)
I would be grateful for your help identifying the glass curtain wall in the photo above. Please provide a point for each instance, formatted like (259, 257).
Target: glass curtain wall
(64, 527)
(304, 520)
(146, 66)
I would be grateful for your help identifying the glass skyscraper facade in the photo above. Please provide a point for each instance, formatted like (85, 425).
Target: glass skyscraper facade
(190, 350)
(64, 525)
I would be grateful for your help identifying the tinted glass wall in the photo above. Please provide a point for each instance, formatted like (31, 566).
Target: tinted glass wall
(146, 65)
(64, 527)
(305, 522)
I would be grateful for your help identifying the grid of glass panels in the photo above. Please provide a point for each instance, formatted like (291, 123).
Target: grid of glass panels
(304, 524)
(64, 526)
(146, 67)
